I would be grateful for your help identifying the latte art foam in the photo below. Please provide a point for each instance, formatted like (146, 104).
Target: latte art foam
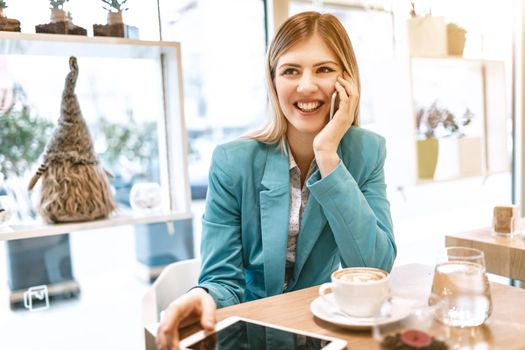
(360, 276)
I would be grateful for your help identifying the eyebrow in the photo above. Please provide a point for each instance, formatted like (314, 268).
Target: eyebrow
(294, 65)
(326, 62)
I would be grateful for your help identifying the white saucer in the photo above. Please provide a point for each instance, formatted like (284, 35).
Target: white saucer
(327, 311)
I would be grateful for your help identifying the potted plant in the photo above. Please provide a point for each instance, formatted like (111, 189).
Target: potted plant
(115, 9)
(3, 5)
(57, 11)
(427, 34)
(61, 21)
(430, 36)
(434, 123)
(115, 24)
(7, 24)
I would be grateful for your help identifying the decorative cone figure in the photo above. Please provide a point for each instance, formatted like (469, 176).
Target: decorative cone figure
(74, 185)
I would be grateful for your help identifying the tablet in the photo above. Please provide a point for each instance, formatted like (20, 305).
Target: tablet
(241, 333)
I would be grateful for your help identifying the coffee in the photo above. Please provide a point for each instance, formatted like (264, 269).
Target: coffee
(358, 291)
(364, 275)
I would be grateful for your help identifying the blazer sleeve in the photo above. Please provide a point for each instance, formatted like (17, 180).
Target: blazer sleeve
(359, 217)
(221, 250)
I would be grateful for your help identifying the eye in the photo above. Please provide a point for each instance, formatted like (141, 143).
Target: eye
(325, 69)
(289, 71)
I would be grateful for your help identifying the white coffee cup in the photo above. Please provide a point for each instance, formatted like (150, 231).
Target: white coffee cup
(358, 291)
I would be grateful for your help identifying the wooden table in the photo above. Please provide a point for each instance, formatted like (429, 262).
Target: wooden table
(505, 329)
(503, 256)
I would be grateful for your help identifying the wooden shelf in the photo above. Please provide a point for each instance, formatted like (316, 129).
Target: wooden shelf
(42, 229)
(12, 43)
(456, 58)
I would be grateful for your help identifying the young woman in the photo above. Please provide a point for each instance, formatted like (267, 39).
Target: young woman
(290, 203)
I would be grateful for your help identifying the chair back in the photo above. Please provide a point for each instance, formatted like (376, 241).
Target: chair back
(174, 280)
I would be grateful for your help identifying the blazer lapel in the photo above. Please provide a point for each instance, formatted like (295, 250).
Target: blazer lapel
(312, 225)
(275, 207)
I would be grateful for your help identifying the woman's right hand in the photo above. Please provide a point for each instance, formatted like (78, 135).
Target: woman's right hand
(189, 308)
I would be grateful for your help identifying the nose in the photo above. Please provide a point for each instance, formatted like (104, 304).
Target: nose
(307, 83)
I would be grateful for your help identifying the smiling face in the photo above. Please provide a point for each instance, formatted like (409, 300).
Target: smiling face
(304, 81)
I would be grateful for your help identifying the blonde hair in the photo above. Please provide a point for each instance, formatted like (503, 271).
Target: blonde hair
(296, 28)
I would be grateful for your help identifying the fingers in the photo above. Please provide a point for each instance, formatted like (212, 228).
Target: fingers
(173, 341)
(168, 340)
(349, 94)
(343, 96)
(349, 84)
(208, 312)
(168, 332)
(194, 303)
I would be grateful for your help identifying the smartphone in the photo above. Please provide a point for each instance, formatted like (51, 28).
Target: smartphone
(334, 104)
(241, 333)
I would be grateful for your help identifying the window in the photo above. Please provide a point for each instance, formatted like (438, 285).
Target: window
(120, 96)
(223, 53)
(371, 33)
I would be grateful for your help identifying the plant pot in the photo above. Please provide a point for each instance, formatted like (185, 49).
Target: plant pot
(114, 18)
(8, 24)
(427, 36)
(470, 156)
(456, 37)
(58, 16)
(61, 23)
(115, 27)
(427, 157)
(459, 157)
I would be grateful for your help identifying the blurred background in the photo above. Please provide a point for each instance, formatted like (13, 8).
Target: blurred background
(439, 80)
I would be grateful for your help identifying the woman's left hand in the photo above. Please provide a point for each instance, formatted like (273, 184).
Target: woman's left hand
(327, 140)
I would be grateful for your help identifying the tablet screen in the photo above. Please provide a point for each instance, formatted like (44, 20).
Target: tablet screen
(245, 335)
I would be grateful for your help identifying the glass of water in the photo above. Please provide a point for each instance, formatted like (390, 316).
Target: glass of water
(460, 289)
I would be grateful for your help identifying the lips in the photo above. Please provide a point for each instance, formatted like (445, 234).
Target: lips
(308, 107)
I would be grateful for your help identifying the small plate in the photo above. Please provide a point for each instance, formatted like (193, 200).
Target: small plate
(327, 311)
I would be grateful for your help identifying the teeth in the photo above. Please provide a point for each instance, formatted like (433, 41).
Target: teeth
(309, 106)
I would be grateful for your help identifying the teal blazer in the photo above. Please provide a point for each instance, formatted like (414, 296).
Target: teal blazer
(245, 224)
